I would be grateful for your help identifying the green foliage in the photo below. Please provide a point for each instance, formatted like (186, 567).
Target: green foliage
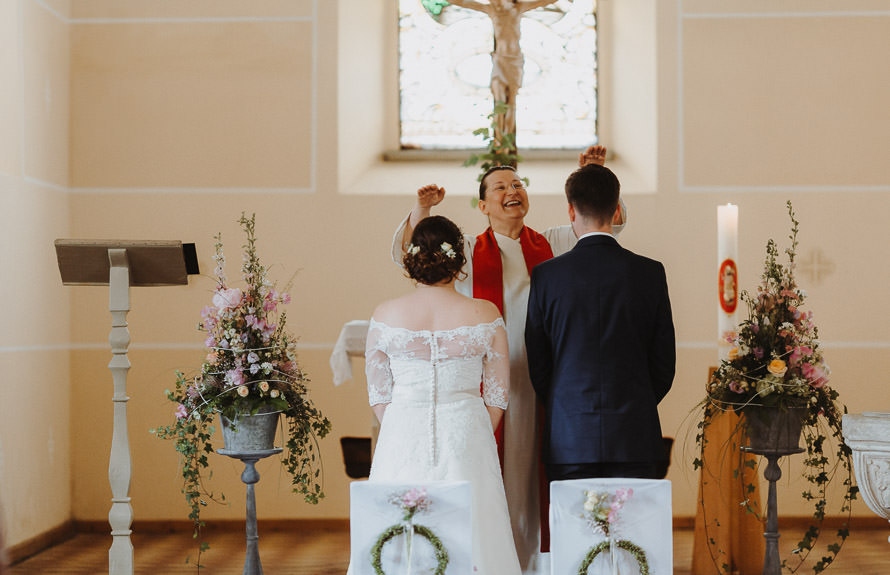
(500, 149)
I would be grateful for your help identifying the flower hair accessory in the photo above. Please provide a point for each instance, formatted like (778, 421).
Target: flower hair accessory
(412, 249)
(448, 250)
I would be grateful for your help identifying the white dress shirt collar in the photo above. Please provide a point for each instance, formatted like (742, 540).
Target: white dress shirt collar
(587, 235)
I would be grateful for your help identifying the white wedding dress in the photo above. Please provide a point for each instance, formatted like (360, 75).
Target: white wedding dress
(436, 426)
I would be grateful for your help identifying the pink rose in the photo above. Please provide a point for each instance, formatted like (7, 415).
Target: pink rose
(816, 375)
(226, 298)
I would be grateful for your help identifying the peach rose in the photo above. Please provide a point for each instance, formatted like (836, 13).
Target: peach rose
(777, 367)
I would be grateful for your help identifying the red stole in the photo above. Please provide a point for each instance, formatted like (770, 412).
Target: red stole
(488, 284)
(488, 270)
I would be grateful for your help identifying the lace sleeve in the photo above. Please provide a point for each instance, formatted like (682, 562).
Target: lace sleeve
(377, 370)
(496, 369)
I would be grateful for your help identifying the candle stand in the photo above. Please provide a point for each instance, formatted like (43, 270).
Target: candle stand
(250, 476)
(771, 563)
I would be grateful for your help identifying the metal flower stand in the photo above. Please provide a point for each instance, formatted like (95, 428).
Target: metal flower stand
(250, 476)
(771, 562)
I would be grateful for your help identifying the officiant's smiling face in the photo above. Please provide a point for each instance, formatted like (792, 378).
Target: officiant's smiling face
(505, 199)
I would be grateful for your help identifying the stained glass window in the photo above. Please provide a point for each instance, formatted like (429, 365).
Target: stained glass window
(445, 74)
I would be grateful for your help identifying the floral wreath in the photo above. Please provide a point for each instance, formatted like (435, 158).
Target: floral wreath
(601, 513)
(410, 502)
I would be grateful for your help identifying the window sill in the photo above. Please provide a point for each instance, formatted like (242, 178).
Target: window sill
(444, 168)
(533, 155)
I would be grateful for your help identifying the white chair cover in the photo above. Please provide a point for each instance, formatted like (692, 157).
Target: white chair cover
(449, 518)
(644, 520)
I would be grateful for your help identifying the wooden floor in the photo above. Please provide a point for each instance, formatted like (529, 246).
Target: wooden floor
(326, 552)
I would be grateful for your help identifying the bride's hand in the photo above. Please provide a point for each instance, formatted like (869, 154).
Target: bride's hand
(429, 196)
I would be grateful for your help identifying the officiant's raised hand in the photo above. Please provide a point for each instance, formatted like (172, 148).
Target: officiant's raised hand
(427, 197)
(592, 155)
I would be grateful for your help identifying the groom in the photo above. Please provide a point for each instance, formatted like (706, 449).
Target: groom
(600, 343)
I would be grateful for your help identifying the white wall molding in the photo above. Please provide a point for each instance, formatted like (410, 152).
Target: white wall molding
(52, 11)
(682, 187)
(190, 20)
(149, 346)
(186, 190)
(777, 15)
(321, 346)
(786, 189)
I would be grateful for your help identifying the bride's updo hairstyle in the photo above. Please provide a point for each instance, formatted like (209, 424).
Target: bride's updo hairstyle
(436, 251)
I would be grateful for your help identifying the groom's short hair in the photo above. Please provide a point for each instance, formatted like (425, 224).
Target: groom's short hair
(593, 191)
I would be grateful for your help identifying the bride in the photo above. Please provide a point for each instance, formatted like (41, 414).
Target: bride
(426, 354)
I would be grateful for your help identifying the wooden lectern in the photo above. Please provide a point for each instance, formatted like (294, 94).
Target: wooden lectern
(119, 265)
(725, 533)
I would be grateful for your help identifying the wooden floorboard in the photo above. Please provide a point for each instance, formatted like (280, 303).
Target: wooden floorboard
(326, 552)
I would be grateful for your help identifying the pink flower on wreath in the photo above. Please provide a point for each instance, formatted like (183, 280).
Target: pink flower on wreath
(413, 497)
(736, 386)
(181, 411)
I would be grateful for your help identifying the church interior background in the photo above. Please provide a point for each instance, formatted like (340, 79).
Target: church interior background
(128, 119)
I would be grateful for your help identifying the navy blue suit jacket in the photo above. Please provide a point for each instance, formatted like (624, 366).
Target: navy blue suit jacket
(601, 352)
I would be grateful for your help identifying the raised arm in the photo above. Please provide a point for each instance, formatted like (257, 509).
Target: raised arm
(427, 197)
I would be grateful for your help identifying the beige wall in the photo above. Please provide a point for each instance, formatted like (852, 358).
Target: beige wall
(35, 391)
(183, 116)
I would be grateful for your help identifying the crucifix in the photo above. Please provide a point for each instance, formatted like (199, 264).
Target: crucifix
(506, 57)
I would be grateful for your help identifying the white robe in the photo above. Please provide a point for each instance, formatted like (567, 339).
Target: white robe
(520, 420)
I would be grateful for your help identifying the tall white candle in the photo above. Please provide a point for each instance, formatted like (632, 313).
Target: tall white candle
(727, 283)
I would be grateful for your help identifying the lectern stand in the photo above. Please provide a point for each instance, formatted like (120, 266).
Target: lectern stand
(119, 265)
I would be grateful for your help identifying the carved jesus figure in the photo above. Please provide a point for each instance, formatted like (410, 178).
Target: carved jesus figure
(506, 58)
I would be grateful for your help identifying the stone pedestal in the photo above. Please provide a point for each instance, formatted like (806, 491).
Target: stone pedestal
(868, 435)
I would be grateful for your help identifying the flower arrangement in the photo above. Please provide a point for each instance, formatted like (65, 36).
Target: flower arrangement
(601, 510)
(250, 367)
(776, 364)
(410, 502)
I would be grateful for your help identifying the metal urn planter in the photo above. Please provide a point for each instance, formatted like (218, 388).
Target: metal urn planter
(250, 438)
